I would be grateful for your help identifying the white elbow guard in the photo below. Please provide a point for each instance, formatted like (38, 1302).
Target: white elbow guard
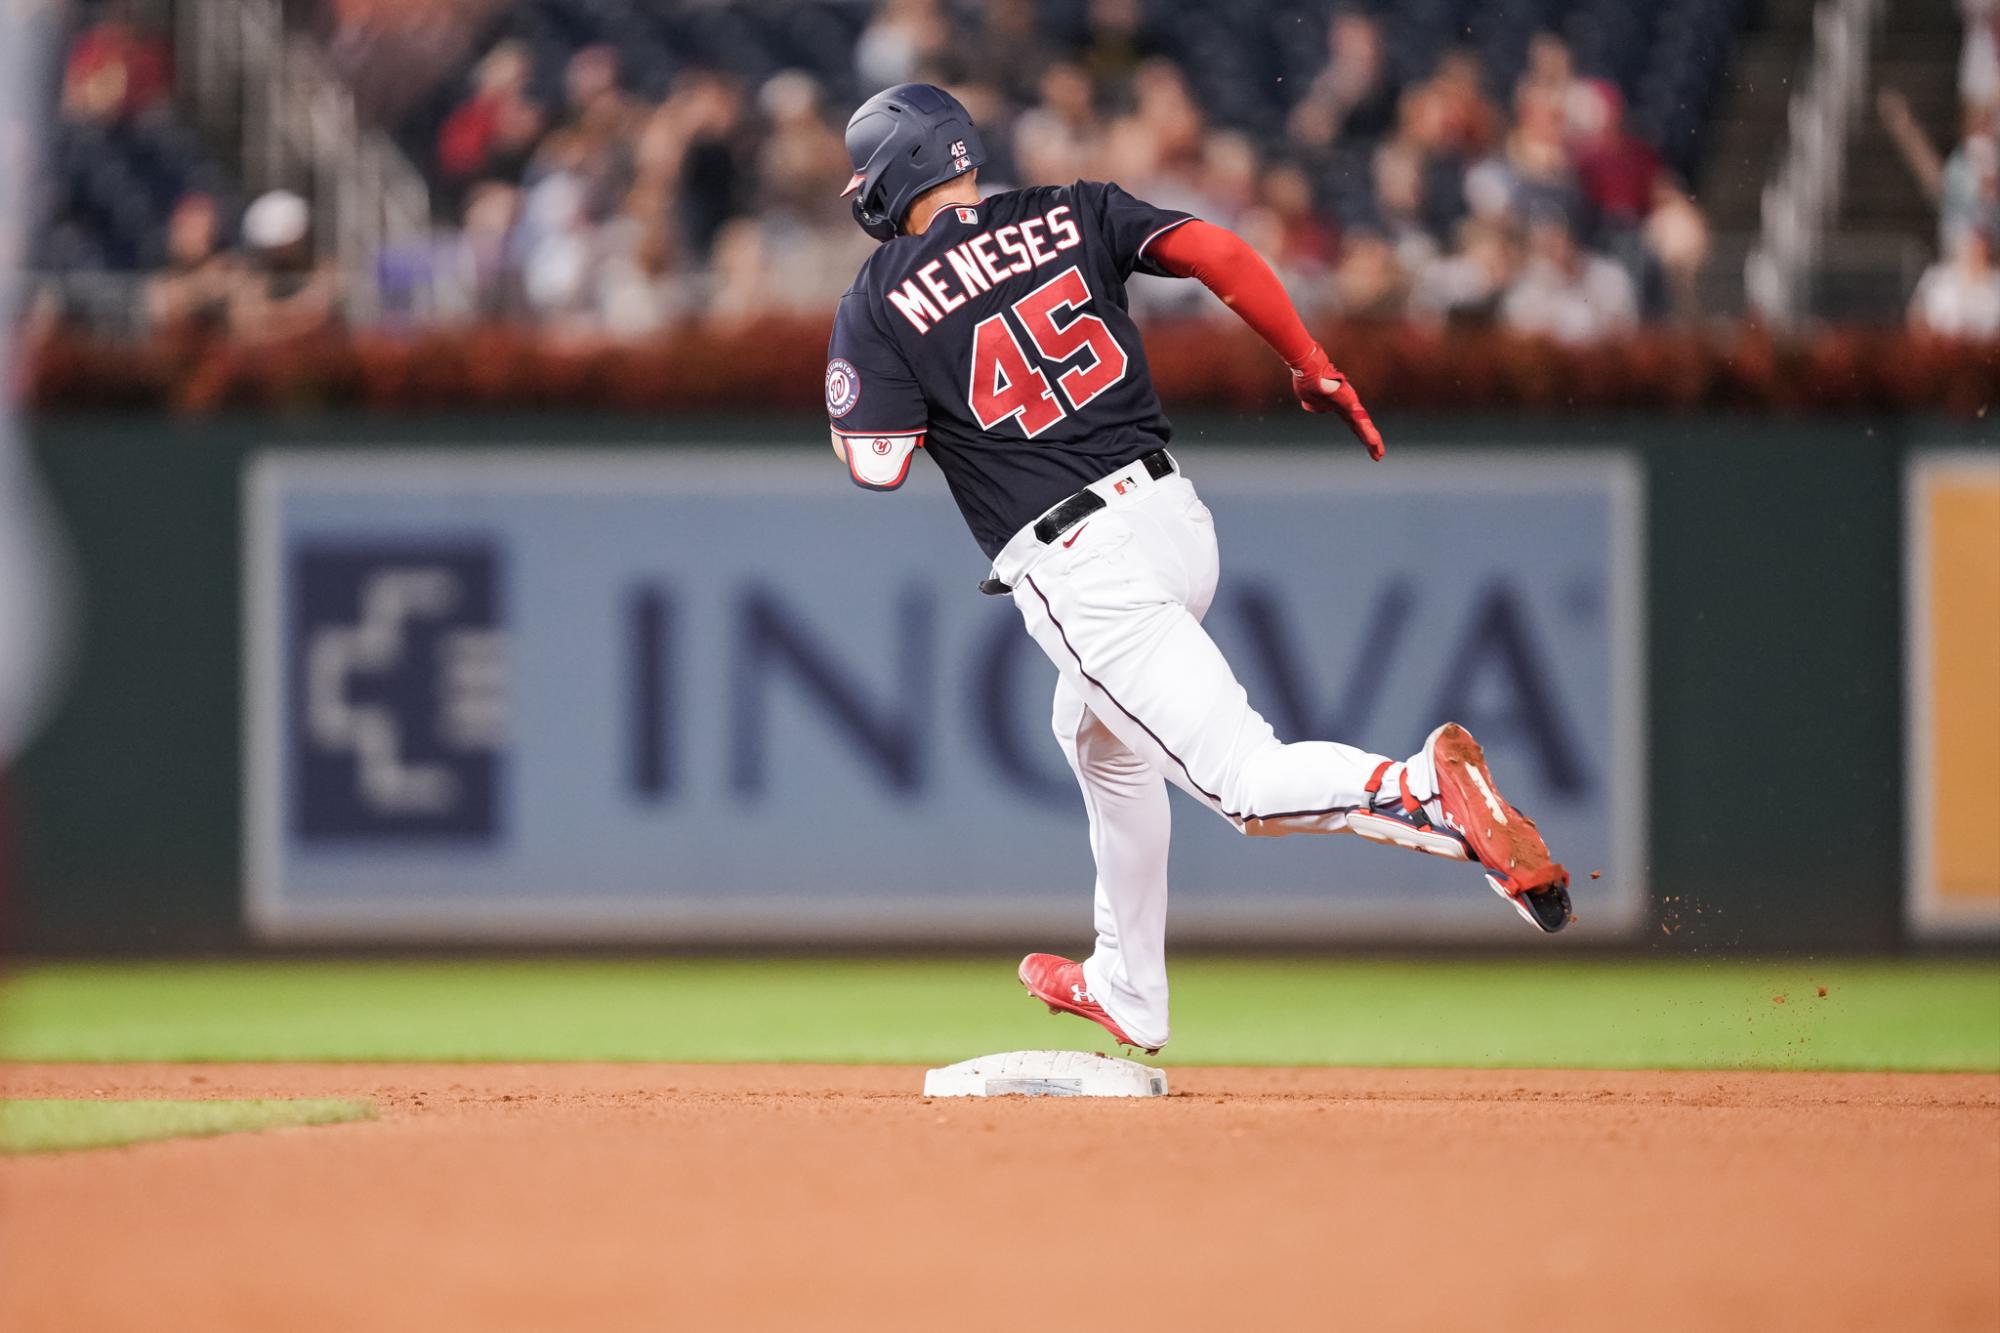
(879, 462)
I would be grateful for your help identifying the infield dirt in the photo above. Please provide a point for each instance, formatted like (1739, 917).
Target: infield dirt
(815, 1198)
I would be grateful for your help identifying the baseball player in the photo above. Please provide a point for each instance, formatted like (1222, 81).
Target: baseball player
(993, 334)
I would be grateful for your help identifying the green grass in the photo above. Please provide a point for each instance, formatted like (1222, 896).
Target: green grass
(65, 1124)
(1874, 1015)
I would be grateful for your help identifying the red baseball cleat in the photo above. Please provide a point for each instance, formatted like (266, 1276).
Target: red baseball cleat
(1058, 983)
(1517, 861)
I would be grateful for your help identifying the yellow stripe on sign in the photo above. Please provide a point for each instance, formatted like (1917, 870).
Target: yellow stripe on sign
(1964, 514)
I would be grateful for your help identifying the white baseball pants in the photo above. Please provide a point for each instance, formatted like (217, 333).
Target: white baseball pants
(1144, 698)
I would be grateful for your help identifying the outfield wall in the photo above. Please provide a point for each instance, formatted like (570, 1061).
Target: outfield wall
(687, 734)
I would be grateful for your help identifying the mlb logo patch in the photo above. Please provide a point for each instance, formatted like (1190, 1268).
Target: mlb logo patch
(968, 215)
(398, 698)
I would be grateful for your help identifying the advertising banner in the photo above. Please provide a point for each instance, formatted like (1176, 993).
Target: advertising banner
(702, 696)
(1951, 538)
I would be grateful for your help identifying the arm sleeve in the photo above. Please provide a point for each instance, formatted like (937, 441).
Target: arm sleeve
(873, 403)
(1227, 265)
(1127, 226)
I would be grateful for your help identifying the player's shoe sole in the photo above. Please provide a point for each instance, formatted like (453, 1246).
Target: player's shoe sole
(1518, 864)
(1058, 983)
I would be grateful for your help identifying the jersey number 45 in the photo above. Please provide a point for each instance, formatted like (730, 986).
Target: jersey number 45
(1005, 383)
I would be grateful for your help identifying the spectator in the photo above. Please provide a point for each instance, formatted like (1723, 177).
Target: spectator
(1352, 94)
(494, 131)
(1489, 189)
(1467, 286)
(558, 251)
(477, 277)
(559, 171)
(803, 164)
(1057, 139)
(1471, 125)
(1549, 72)
(1979, 58)
(705, 120)
(1565, 292)
(1130, 155)
(604, 127)
(1618, 173)
(642, 286)
(1370, 284)
(284, 292)
(1676, 237)
(1961, 185)
(1168, 111)
(195, 289)
(1306, 241)
(899, 43)
(117, 68)
(590, 90)
(1955, 295)
(1535, 156)
(1115, 46)
(1011, 47)
(740, 287)
(1229, 177)
(1622, 182)
(1429, 180)
(1971, 184)
(1959, 297)
(1399, 203)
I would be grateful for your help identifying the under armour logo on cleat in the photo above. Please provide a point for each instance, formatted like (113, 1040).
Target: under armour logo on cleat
(1080, 995)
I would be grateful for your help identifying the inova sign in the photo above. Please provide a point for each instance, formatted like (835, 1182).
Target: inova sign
(689, 695)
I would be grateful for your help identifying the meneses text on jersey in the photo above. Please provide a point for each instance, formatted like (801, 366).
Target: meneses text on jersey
(926, 299)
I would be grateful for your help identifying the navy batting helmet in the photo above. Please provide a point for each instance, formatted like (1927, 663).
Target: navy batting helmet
(902, 141)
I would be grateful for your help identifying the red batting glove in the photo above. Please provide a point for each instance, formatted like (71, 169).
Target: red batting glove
(1321, 387)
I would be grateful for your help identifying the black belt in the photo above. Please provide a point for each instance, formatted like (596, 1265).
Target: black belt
(1077, 508)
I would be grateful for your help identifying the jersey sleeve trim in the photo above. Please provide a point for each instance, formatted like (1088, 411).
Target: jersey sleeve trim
(918, 431)
(1140, 253)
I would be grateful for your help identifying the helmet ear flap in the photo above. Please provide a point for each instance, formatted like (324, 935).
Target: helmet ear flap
(873, 221)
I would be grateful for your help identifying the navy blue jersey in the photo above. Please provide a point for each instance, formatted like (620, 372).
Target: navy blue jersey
(1000, 339)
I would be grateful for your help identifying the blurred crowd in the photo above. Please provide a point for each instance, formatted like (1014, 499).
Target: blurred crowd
(1959, 296)
(271, 285)
(120, 157)
(605, 212)
(587, 205)
(608, 213)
